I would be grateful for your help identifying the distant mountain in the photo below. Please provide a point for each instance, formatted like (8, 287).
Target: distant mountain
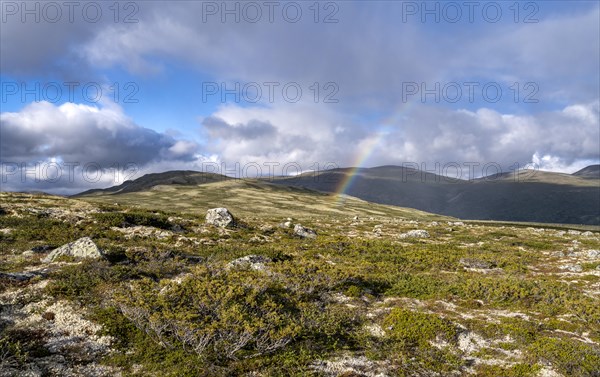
(592, 171)
(531, 196)
(534, 196)
(148, 181)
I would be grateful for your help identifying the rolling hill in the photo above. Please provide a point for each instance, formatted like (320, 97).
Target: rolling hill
(146, 182)
(524, 196)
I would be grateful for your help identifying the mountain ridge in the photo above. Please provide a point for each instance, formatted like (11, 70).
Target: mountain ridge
(528, 196)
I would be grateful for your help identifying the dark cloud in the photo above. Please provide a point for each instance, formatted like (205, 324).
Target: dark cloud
(80, 133)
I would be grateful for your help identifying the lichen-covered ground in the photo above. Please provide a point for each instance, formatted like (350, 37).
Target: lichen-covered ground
(367, 297)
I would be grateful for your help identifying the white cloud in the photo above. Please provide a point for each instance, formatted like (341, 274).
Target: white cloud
(426, 135)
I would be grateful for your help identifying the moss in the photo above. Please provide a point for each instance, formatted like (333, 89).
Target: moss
(567, 356)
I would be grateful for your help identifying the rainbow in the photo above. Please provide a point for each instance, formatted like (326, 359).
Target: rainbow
(367, 146)
(365, 149)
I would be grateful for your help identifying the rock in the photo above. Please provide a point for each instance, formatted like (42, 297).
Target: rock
(355, 218)
(475, 263)
(587, 234)
(285, 224)
(418, 233)
(255, 262)
(220, 217)
(573, 232)
(593, 254)
(303, 232)
(572, 267)
(82, 248)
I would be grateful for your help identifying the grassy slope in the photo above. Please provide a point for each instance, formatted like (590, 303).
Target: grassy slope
(251, 198)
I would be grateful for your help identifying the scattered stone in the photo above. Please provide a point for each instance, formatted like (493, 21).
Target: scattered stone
(573, 232)
(418, 233)
(476, 263)
(469, 342)
(143, 231)
(572, 267)
(259, 238)
(220, 217)
(266, 229)
(285, 224)
(355, 218)
(593, 254)
(434, 223)
(82, 248)
(303, 232)
(351, 366)
(587, 234)
(181, 277)
(546, 371)
(375, 330)
(255, 262)
(560, 233)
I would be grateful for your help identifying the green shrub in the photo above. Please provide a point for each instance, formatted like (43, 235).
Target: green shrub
(418, 286)
(122, 219)
(412, 329)
(518, 370)
(216, 315)
(570, 357)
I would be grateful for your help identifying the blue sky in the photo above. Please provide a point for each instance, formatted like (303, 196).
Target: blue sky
(369, 66)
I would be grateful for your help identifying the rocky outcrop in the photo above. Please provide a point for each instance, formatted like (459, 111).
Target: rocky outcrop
(82, 248)
(220, 217)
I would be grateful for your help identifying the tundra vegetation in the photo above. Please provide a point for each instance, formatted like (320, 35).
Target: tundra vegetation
(166, 298)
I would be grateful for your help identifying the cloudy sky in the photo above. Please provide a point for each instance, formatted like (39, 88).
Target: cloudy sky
(94, 93)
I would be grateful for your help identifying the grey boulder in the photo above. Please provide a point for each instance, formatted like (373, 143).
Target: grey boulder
(220, 217)
(303, 232)
(82, 248)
